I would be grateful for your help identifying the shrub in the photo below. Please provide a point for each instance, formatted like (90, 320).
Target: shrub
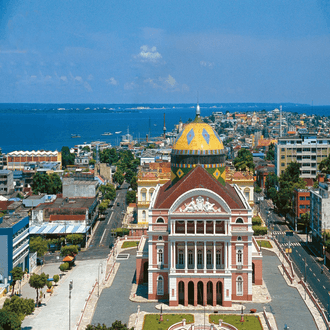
(120, 231)
(256, 221)
(49, 284)
(65, 266)
(259, 231)
(56, 278)
(69, 250)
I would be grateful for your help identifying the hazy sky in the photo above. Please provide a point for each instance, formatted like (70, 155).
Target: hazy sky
(165, 51)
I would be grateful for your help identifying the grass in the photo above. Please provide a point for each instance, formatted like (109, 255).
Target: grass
(251, 322)
(151, 321)
(265, 244)
(130, 244)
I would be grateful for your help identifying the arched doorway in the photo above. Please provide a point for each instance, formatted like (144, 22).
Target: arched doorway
(145, 272)
(219, 293)
(209, 293)
(200, 293)
(253, 272)
(191, 292)
(181, 293)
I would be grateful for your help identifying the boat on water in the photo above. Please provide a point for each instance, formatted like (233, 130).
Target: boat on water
(106, 133)
(118, 132)
(74, 136)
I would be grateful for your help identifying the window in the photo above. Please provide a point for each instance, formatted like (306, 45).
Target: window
(160, 285)
(199, 258)
(239, 257)
(209, 258)
(160, 238)
(239, 220)
(144, 215)
(143, 196)
(218, 256)
(301, 198)
(239, 286)
(190, 258)
(282, 164)
(239, 238)
(160, 256)
(247, 194)
(151, 191)
(180, 257)
(160, 220)
(282, 157)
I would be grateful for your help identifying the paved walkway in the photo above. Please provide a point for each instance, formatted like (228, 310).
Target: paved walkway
(54, 314)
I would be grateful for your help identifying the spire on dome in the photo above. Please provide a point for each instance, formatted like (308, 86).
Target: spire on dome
(198, 114)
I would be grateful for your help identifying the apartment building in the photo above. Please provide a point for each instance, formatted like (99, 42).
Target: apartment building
(6, 182)
(305, 148)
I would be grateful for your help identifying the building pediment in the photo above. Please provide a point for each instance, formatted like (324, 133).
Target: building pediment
(199, 201)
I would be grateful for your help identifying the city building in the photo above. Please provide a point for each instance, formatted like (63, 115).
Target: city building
(300, 203)
(262, 171)
(19, 160)
(14, 245)
(305, 148)
(199, 249)
(320, 213)
(80, 185)
(6, 182)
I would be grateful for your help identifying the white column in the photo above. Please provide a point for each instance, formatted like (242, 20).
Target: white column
(204, 256)
(204, 227)
(214, 256)
(195, 225)
(214, 222)
(171, 255)
(195, 265)
(226, 255)
(174, 256)
(185, 227)
(186, 256)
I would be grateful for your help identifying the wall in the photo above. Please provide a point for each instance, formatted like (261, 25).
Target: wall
(4, 256)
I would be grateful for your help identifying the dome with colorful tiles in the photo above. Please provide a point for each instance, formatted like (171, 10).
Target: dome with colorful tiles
(198, 144)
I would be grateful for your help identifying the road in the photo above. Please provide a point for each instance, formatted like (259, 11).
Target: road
(304, 261)
(99, 246)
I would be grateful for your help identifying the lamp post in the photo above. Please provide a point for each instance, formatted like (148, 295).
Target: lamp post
(98, 278)
(70, 290)
(328, 305)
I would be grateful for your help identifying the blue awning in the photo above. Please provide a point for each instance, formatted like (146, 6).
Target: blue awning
(55, 229)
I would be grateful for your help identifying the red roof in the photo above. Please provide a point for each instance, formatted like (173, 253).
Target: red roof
(75, 217)
(197, 178)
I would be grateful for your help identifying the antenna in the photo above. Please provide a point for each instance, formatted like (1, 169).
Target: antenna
(149, 127)
(280, 121)
(164, 128)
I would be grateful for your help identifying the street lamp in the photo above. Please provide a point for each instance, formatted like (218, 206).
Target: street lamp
(70, 289)
(98, 278)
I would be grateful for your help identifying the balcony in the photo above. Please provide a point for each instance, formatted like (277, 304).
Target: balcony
(20, 237)
(21, 248)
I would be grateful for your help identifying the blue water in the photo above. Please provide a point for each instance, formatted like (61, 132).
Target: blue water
(44, 127)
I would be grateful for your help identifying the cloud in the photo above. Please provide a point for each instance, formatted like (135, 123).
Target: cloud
(88, 86)
(170, 80)
(167, 84)
(112, 81)
(63, 78)
(90, 77)
(207, 64)
(148, 54)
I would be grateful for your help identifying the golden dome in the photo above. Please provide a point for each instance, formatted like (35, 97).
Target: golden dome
(198, 136)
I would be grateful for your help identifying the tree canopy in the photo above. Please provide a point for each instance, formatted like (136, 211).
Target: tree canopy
(20, 306)
(270, 153)
(67, 157)
(131, 196)
(38, 282)
(44, 183)
(17, 275)
(39, 245)
(244, 160)
(69, 250)
(108, 191)
(324, 166)
(9, 320)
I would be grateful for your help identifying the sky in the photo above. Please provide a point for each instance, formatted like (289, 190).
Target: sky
(165, 51)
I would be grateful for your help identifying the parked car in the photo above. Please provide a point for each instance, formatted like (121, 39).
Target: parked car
(39, 262)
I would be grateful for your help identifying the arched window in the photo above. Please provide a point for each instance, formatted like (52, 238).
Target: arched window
(151, 191)
(144, 215)
(160, 256)
(239, 220)
(239, 286)
(160, 238)
(160, 285)
(218, 256)
(209, 257)
(160, 220)
(239, 238)
(239, 257)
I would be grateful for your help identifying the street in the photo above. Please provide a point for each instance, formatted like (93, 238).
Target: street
(304, 261)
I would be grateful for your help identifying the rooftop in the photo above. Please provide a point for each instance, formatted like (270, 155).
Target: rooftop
(10, 220)
(72, 203)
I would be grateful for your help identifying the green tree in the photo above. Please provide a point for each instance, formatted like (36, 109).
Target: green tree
(75, 238)
(65, 266)
(129, 175)
(56, 278)
(270, 153)
(305, 219)
(131, 196)
(56, 184)
(9, 320)
(92, 162)
(20, 306)
(38, 282)
(103, 206)
(109, 156)
(41, 183)
(244, 160)
(17, 275)
(67, 157)
(119, 177)
(324, 166)
(272, 193)
(70, 250)
(257, 189)
(39, 245)
(271, 181)
(133, 183)
(86, 148)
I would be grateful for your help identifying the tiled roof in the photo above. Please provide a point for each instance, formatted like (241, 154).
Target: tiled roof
(197, 178)
(73, 217)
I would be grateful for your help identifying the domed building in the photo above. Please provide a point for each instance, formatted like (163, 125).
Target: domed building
(198, 144)
(200, 248)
